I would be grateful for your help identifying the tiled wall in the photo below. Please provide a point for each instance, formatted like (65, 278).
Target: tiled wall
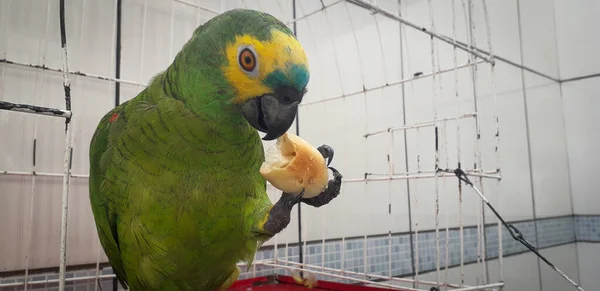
(550, 232)
(587, 228)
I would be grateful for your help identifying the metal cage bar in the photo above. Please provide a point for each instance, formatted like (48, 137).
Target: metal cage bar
(477, 58)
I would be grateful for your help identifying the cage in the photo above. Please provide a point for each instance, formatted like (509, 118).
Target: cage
(406, 92)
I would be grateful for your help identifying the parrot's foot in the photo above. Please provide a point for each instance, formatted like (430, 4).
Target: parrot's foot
(309, 282)
(232, 278)
(332, 191)
(279, 216)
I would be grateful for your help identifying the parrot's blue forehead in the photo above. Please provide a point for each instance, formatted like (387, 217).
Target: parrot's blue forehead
(295, 76)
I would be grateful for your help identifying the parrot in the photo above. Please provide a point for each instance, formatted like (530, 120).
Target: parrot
(174, 184)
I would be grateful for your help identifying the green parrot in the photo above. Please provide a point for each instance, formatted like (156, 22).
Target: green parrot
(174, 184)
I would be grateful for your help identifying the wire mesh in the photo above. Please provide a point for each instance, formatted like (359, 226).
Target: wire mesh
(418, 133)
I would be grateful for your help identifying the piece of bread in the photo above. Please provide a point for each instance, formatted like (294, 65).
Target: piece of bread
(293, 164)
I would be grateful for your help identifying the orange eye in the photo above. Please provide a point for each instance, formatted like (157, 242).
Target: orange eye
(247, 60)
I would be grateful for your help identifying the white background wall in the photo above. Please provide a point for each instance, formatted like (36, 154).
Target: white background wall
(547, 130)
(580, 105)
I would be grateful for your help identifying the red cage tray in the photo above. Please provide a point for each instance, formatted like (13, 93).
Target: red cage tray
(287, 283)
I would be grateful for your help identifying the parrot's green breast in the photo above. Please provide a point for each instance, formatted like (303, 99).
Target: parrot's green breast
(172, 191)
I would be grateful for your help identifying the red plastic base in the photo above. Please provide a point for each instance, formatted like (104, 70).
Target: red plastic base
(285, 283)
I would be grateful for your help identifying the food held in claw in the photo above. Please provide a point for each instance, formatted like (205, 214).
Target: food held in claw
(293, 164)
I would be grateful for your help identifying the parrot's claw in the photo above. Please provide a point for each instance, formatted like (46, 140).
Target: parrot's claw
(332, 191)
(327, 153)
(279, 215)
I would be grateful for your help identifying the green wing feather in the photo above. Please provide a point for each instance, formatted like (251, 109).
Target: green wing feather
(167, 201)
(103, 208)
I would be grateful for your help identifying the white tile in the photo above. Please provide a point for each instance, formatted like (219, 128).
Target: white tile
(92, 99)
(538, 36)
(369, 37)
(132, 14)
(19, 139)
(321, 50)
(365, 208)
(399, 207)
(577, 45)
(565, 258)
(349, 61)
(512, 153)
(13, 212)
(503, 26)
(588, 255)
(548, 147)
(514, 269)
(353, 153)
(471, 274)
(25, 37)
(50, 130)
(580, 106)
(44, 247)
(88, 40)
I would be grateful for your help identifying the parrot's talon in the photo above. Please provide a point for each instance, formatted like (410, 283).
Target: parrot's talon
(327, 153)
(335, 172)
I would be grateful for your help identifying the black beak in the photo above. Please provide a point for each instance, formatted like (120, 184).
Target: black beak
(274, 113)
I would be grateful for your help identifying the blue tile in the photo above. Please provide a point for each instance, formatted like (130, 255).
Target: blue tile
(556, 231)
(6, 281)
(281, 252)
(587, 228)
(383, 251)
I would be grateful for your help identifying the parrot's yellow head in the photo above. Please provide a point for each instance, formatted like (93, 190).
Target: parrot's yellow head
(244, 66)
(257, 67)
(269, 77)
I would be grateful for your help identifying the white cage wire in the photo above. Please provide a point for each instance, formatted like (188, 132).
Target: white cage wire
(433, 146)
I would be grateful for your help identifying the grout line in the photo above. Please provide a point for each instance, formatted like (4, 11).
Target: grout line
(522, 67)
(586, 215)
(564, 119)
(554, 26)
(528, 138)
(580, 78)
(403, 88)
(588, 241)
(571, 198)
